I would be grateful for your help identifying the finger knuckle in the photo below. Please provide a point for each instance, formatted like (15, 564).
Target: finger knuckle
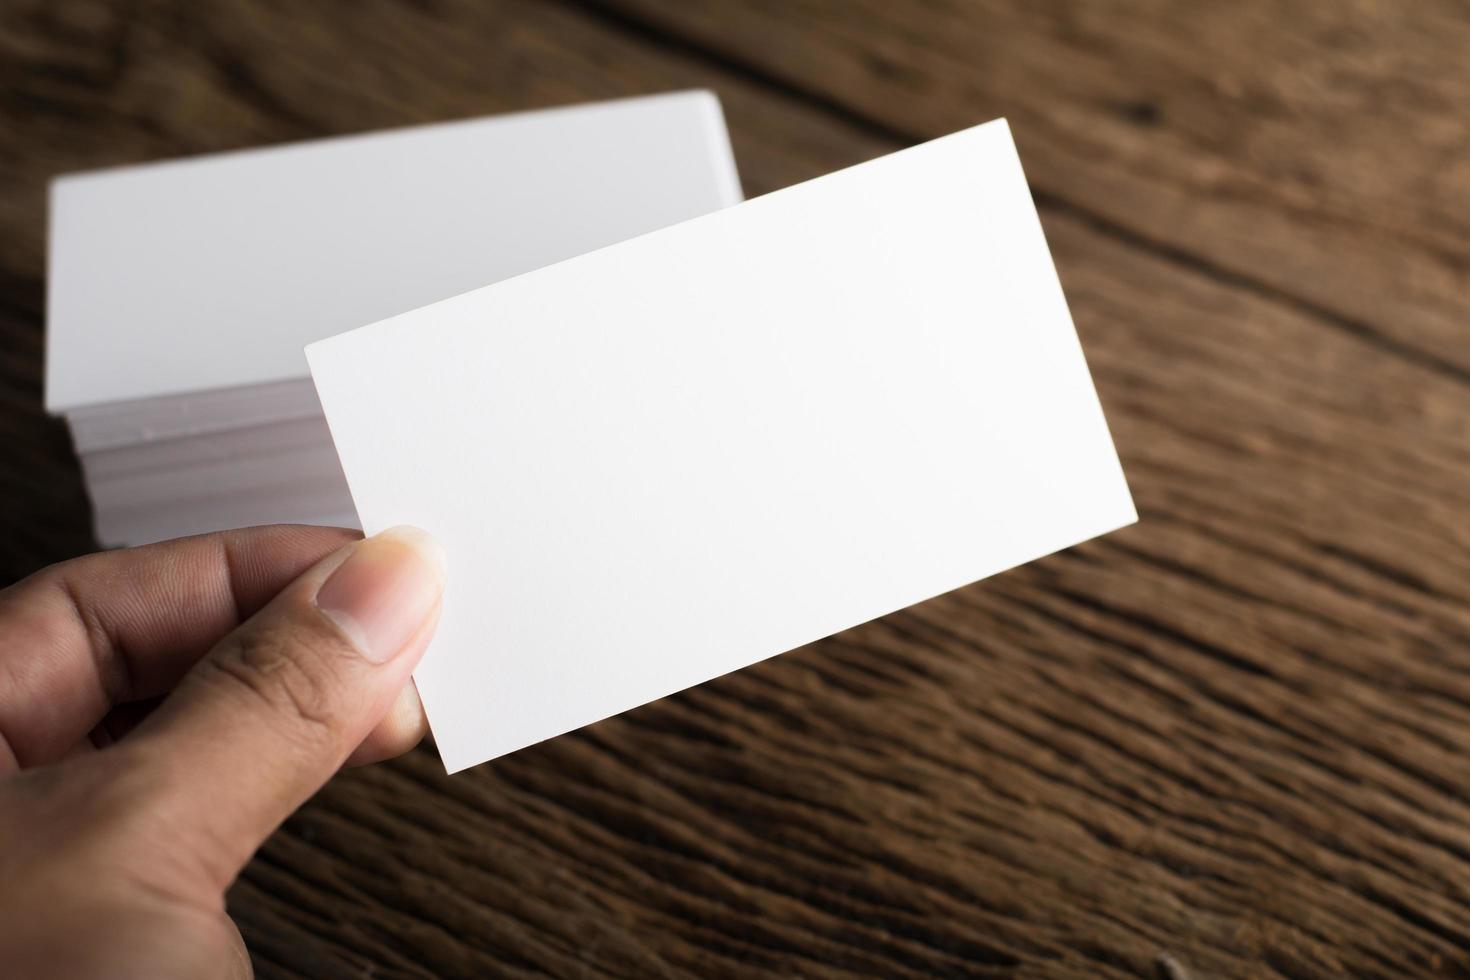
(268, 666)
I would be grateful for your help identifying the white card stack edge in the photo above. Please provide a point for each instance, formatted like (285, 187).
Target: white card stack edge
(181, 294)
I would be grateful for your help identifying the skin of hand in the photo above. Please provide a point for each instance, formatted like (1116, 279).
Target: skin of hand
(164, 708)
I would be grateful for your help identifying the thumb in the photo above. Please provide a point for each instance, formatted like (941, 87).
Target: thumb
(263, 720)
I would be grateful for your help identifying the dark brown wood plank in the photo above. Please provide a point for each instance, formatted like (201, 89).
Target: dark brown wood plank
(1227, 739)
(1317, 151)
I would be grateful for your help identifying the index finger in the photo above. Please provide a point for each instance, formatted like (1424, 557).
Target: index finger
(83, 635)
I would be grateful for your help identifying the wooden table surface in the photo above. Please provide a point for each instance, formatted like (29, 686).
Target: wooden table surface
(1229, 741)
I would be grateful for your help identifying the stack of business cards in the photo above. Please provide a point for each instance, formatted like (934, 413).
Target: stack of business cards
(181, 294)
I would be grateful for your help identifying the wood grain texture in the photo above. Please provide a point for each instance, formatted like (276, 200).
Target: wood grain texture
(1312, 150)
(1225, 742)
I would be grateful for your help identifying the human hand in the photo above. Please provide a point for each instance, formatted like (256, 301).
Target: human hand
(280, 653)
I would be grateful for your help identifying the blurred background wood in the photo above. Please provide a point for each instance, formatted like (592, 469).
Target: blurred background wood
(1226, 742)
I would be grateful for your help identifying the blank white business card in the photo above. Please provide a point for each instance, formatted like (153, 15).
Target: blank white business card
(198, 276)
(682, 454)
